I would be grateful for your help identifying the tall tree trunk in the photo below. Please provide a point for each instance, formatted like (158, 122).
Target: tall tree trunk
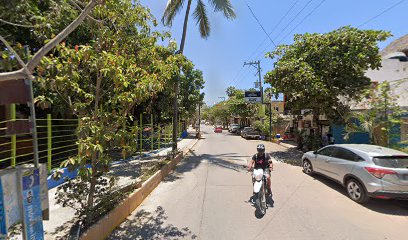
(176, 86)
(183, 37)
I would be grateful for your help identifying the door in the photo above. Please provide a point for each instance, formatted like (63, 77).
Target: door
(341, 163)
(321, 157)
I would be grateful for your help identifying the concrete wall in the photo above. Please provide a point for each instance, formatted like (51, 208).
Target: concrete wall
(393, 70)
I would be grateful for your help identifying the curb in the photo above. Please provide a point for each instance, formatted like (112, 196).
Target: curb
(103, 228)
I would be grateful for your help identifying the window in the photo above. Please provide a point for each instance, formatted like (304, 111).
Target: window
(326, 151)
(346, 155)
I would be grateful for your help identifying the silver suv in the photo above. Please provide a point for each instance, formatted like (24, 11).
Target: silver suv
(365, 170)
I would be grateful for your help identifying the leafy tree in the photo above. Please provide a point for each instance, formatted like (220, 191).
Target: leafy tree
(101, 83)
(26, 69)
(189, 97)
(31, 23)
(231, 91)
(381, 116)
(323, 71)
(239, 107)
(220, 113)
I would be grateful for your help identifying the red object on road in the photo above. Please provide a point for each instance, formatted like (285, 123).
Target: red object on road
(218, 130)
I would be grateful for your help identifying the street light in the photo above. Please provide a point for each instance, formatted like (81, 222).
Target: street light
(223, 98)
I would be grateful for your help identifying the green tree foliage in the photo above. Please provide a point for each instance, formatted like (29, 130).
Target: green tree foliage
(31, 23)
(189, 96)
(239, 107)
(220, 113)
(380, 116)
(322, 71)
(101, 83)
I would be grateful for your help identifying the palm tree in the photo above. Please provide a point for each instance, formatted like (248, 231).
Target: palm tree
(200, 14)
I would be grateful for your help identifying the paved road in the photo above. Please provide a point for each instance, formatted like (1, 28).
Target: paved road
(207, 197)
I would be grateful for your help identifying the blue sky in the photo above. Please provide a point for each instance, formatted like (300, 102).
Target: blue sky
(222, 55)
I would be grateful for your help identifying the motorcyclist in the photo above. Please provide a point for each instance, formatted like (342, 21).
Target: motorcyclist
(262, 160)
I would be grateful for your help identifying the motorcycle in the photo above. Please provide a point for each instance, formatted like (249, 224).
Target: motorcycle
(259, 182)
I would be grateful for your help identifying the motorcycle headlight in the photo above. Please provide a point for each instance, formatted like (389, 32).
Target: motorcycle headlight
(258, 173)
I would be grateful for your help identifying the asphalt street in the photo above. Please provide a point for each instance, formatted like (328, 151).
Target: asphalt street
(208, 197)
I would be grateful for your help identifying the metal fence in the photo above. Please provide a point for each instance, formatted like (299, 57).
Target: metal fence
(57, 140)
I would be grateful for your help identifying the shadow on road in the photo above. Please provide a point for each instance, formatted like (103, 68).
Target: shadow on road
(269, 201)
(231, 161)
(389, 207)
(150, 225)
(291, 156)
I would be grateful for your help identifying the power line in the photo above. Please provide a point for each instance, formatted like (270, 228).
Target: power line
(244, 76)
(263, 29)
(238, 76)
(274, 28)
(308, 15)
(287, 25)
(294, 18)
(381, 13)
(280, 21)
(297, 25)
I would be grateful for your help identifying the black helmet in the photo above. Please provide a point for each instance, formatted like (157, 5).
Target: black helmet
(260, 148)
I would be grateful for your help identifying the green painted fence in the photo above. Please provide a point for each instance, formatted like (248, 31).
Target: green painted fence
(57, 140)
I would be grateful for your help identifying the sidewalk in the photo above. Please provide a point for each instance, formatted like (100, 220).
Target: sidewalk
(128, 172)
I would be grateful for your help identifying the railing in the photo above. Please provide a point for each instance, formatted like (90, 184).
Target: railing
(57, 141)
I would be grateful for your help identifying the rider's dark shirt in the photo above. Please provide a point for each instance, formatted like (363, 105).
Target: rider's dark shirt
(261, 161)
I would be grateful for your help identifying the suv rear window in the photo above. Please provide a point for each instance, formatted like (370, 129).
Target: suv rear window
(392, 161)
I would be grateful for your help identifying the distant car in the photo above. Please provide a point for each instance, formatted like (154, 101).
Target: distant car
(233, 128)
(366, 171)
(250, 132)
(218, 129)
(239, 130)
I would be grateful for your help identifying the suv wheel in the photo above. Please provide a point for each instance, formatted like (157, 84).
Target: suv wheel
(307, 167)
(356, 191)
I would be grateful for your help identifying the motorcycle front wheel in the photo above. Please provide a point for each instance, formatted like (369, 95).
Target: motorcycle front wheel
(261, 201)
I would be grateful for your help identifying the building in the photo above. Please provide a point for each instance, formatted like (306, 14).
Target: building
(395, 71)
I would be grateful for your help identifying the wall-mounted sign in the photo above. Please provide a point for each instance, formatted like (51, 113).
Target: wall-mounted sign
(253, 96)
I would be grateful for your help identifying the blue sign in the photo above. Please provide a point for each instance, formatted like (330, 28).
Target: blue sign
(33, 225)
(3, 226)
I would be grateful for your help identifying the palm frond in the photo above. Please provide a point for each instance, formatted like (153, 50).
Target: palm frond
(224, 6)
(172, 8)
(200, 14)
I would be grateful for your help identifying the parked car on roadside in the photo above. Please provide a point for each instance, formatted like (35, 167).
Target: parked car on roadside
(250, 132)
(239, 130)
(366, 171)
(233, 128)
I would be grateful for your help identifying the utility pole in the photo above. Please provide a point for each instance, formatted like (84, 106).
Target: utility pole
(270, 120)
(258, 64)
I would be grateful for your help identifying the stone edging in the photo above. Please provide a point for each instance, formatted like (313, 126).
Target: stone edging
(103, 228)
